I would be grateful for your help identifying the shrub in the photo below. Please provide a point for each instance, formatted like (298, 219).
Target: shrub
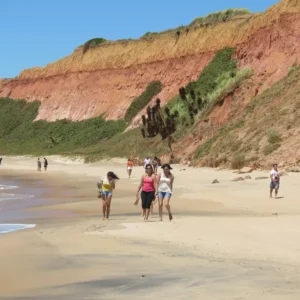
(274, 137)
(238, 161)
(268, 149)
(141, 102)
(92, 43)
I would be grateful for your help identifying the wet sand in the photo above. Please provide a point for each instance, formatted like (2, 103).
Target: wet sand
(227, 241)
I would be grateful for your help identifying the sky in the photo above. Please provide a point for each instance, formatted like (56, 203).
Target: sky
(36, 32)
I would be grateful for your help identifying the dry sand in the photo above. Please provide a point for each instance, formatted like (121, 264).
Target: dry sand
(227, 241)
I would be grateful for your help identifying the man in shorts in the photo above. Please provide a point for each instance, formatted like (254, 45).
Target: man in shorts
(275, 181)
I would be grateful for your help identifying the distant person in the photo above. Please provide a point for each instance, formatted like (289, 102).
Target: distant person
(147, 161)
(0, 161)
(148, 187)
(275, 181)
(39, 165)
(45, 164)
(129, 167)
(165, 189)
(155, 164)
(108, 184)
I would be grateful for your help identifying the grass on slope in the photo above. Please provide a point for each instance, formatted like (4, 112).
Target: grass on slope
(219, 17)
(268, 124)
(210, 19)
(219, 78)
(20, 135)
(141, 102)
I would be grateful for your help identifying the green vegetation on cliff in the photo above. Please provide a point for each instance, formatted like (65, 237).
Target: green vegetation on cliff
(218, 79)
(92, 43)
(19, 134)
(270, 121)
(142, 101)
(97, 138)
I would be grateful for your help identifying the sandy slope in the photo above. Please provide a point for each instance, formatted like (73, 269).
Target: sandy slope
(227, 241)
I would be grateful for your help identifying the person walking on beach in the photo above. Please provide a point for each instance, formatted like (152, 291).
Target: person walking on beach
(275, 181)
(45, 164)
(155, 164)
(39, 165)
(165, 187)
(129, 167)
(149, 188)
(147, 161)
(108, 184)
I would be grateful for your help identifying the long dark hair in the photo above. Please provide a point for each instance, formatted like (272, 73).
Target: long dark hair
(149, 165)
(112, 175)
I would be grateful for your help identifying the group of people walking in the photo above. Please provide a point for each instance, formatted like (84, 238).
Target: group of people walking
(153, 187)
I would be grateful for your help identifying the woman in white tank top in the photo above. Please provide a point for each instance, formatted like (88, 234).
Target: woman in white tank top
(165, 188)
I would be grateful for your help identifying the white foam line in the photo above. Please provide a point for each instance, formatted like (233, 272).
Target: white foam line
(19, 227)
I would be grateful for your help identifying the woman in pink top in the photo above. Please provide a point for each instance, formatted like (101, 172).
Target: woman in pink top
(149, 191)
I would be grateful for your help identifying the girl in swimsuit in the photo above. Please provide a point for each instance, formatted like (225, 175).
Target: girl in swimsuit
(108, 184)
(129, 167)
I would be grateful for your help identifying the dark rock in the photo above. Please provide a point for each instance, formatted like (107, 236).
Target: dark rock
(215, 181)
(238, 179)
(294, 169)
(245, 170)
(261, 178)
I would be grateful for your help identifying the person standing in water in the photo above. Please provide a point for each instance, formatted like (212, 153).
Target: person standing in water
(275, 181)
(45, 164)
(149, 188)
(165, 188)
(155, 164)
(108, 184)
(39, 165)
(129, 167)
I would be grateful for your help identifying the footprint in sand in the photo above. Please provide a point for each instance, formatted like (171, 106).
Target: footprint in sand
(94, 229)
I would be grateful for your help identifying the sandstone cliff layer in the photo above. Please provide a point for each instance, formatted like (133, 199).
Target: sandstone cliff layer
(105, 80)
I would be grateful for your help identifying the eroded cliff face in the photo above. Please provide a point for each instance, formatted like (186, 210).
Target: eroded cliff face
(106, 79)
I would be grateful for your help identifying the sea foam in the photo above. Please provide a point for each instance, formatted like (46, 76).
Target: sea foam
(7, 228)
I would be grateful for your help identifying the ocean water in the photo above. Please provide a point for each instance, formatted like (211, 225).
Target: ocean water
(7, 228)
(7, 196)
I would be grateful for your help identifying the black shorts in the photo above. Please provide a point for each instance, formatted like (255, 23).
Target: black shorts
(147, 198)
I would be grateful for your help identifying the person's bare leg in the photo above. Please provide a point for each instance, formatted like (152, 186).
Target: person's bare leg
(271, 193)
(147, 212)
(160, 207)
(151, 209)
(276, 193)
(168, 207)
(129, 173)
(108, 202)
(103, 207)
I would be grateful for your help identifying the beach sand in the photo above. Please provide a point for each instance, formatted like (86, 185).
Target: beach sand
(227, 240)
